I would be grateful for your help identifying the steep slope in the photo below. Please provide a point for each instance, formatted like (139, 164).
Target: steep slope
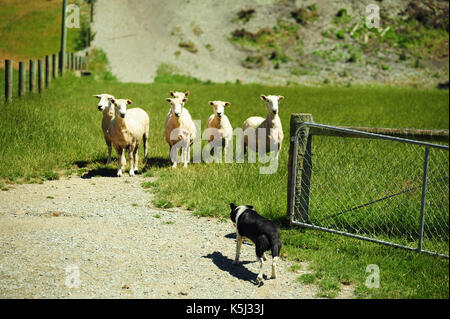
(274, 41)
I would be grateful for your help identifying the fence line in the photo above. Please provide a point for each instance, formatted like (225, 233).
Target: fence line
(384, 189)
(47, 70)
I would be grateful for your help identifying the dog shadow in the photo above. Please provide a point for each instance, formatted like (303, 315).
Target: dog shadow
(226, 264)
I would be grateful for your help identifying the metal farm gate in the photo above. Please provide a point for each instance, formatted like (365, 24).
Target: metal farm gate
(375, 187)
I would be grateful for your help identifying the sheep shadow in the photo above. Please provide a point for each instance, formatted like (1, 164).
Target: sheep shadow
(103, 172)
(226, 264)
(156, 162)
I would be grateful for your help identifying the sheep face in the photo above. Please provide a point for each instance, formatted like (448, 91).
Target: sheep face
(105, 101)
(272, 103)
(120, 106)
(176, 106)
(219, 107)
(179, 95)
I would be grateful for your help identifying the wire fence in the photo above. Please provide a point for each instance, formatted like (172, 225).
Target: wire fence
(370, 186)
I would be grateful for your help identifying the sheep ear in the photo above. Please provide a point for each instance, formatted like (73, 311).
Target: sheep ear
(185, 100)
(171, 93)
(280, 97)
(211, 103)
(97, 96)
(129, 102)
(169, 100)
(113, 101)
(227, 104)
(264, 98)
(187, 93)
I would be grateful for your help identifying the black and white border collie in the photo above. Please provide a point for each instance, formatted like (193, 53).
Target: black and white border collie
(264, 233)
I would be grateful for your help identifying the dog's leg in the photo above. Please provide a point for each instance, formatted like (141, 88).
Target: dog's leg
(260, 274)
(238, 249)
(274, 267)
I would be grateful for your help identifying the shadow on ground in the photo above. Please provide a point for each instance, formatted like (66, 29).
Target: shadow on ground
(159, 162)
(226, 264)
(108, 171)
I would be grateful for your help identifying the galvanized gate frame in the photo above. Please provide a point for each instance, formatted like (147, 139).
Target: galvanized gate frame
(301, 131)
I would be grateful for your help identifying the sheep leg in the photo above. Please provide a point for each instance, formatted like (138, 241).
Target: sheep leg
(277, 151)
(183, 156)
(173, 156)
(225, 144)
(109, 152)
(187, 153)
(130, 156)
(145, 146)
(121, 162)
(136, 160)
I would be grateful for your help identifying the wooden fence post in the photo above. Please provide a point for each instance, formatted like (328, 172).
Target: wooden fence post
(22, 74)
(32, 81)
(298, 192)
(8, 80)
(62, 52)
(47, 71)
(92, 11)
(72, 61)
(67, 65)
(54, 66)
(40, 76)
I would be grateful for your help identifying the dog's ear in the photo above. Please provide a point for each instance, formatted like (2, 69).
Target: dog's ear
(249, 206)
(232, 206)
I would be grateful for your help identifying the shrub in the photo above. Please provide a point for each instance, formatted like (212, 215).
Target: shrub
(189, 46)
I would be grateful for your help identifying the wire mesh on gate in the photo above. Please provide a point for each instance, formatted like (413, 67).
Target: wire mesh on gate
(373, 188)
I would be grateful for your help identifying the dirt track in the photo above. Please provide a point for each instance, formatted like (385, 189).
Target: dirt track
(123, 248)
(138, 36)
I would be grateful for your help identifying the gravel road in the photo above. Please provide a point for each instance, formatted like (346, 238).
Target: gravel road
(106, 229)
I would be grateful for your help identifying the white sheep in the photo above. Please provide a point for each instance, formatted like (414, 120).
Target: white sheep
(271, 124)
(179, 95)
(222, 132)
(105, 106)
(180, 130)
(127, 130)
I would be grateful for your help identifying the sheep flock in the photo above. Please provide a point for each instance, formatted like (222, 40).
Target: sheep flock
(126, 129)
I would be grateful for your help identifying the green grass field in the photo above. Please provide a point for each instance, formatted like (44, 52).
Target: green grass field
(58, 132)
(24, 24)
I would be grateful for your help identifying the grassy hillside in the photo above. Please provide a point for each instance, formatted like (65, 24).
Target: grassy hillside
(32, 29)
(331, 41)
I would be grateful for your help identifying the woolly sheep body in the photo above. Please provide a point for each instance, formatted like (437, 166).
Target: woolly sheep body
(127, 133)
